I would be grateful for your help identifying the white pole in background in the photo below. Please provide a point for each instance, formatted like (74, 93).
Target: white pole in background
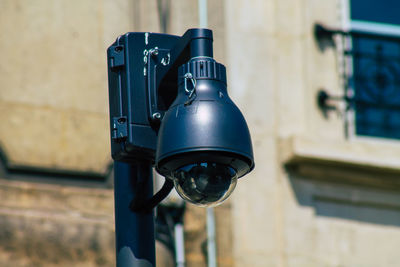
(203, 19)
(211, 246)
(179, 245)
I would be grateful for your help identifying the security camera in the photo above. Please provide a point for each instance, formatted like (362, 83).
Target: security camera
(169, 106)
(204, 143)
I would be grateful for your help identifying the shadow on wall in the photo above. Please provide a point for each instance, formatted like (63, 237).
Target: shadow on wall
(347, 201)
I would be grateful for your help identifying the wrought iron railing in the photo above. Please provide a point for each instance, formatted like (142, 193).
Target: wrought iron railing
(371, 76)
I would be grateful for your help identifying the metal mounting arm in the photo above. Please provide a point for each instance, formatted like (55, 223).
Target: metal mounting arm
(194, 43)
(163, 64)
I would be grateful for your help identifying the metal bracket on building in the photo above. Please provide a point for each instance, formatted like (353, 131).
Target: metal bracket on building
(322, 32)
(325, 100)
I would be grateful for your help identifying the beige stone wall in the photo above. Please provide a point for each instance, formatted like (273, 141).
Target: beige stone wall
(315, 198)
(53, 225)
(53, 81)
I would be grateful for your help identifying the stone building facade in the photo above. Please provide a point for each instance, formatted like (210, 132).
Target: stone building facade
(320, 194)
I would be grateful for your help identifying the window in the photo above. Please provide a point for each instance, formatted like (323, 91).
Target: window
(375, 59)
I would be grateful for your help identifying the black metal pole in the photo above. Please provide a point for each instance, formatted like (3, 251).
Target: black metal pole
(134, 232)
(201, 47)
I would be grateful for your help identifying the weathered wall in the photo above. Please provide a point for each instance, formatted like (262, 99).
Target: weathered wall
(51, 225)
(53, 81)
(315, 198)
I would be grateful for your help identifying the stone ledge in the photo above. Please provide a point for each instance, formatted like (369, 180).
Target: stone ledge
(86, 202)
(361, 162)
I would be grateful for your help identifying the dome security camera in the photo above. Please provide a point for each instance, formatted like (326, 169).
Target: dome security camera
(204, 146)
(169, 106)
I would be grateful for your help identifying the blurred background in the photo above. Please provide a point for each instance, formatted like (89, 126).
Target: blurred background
(323, 110)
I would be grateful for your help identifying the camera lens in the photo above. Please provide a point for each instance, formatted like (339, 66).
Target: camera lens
(205, 184)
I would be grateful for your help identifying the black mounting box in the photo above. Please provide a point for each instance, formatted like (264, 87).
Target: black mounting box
(133, 133)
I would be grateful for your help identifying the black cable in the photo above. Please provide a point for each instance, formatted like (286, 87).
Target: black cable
(146, 206)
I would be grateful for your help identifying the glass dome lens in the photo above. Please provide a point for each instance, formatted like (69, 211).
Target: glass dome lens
(205, 184)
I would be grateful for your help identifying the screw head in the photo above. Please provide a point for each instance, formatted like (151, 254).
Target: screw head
(154, 52)
(157, 115)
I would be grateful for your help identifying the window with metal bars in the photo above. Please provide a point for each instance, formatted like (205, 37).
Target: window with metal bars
(372, 66)
(375, 80)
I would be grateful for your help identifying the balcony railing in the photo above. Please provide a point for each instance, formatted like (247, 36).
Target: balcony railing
(371, 75)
